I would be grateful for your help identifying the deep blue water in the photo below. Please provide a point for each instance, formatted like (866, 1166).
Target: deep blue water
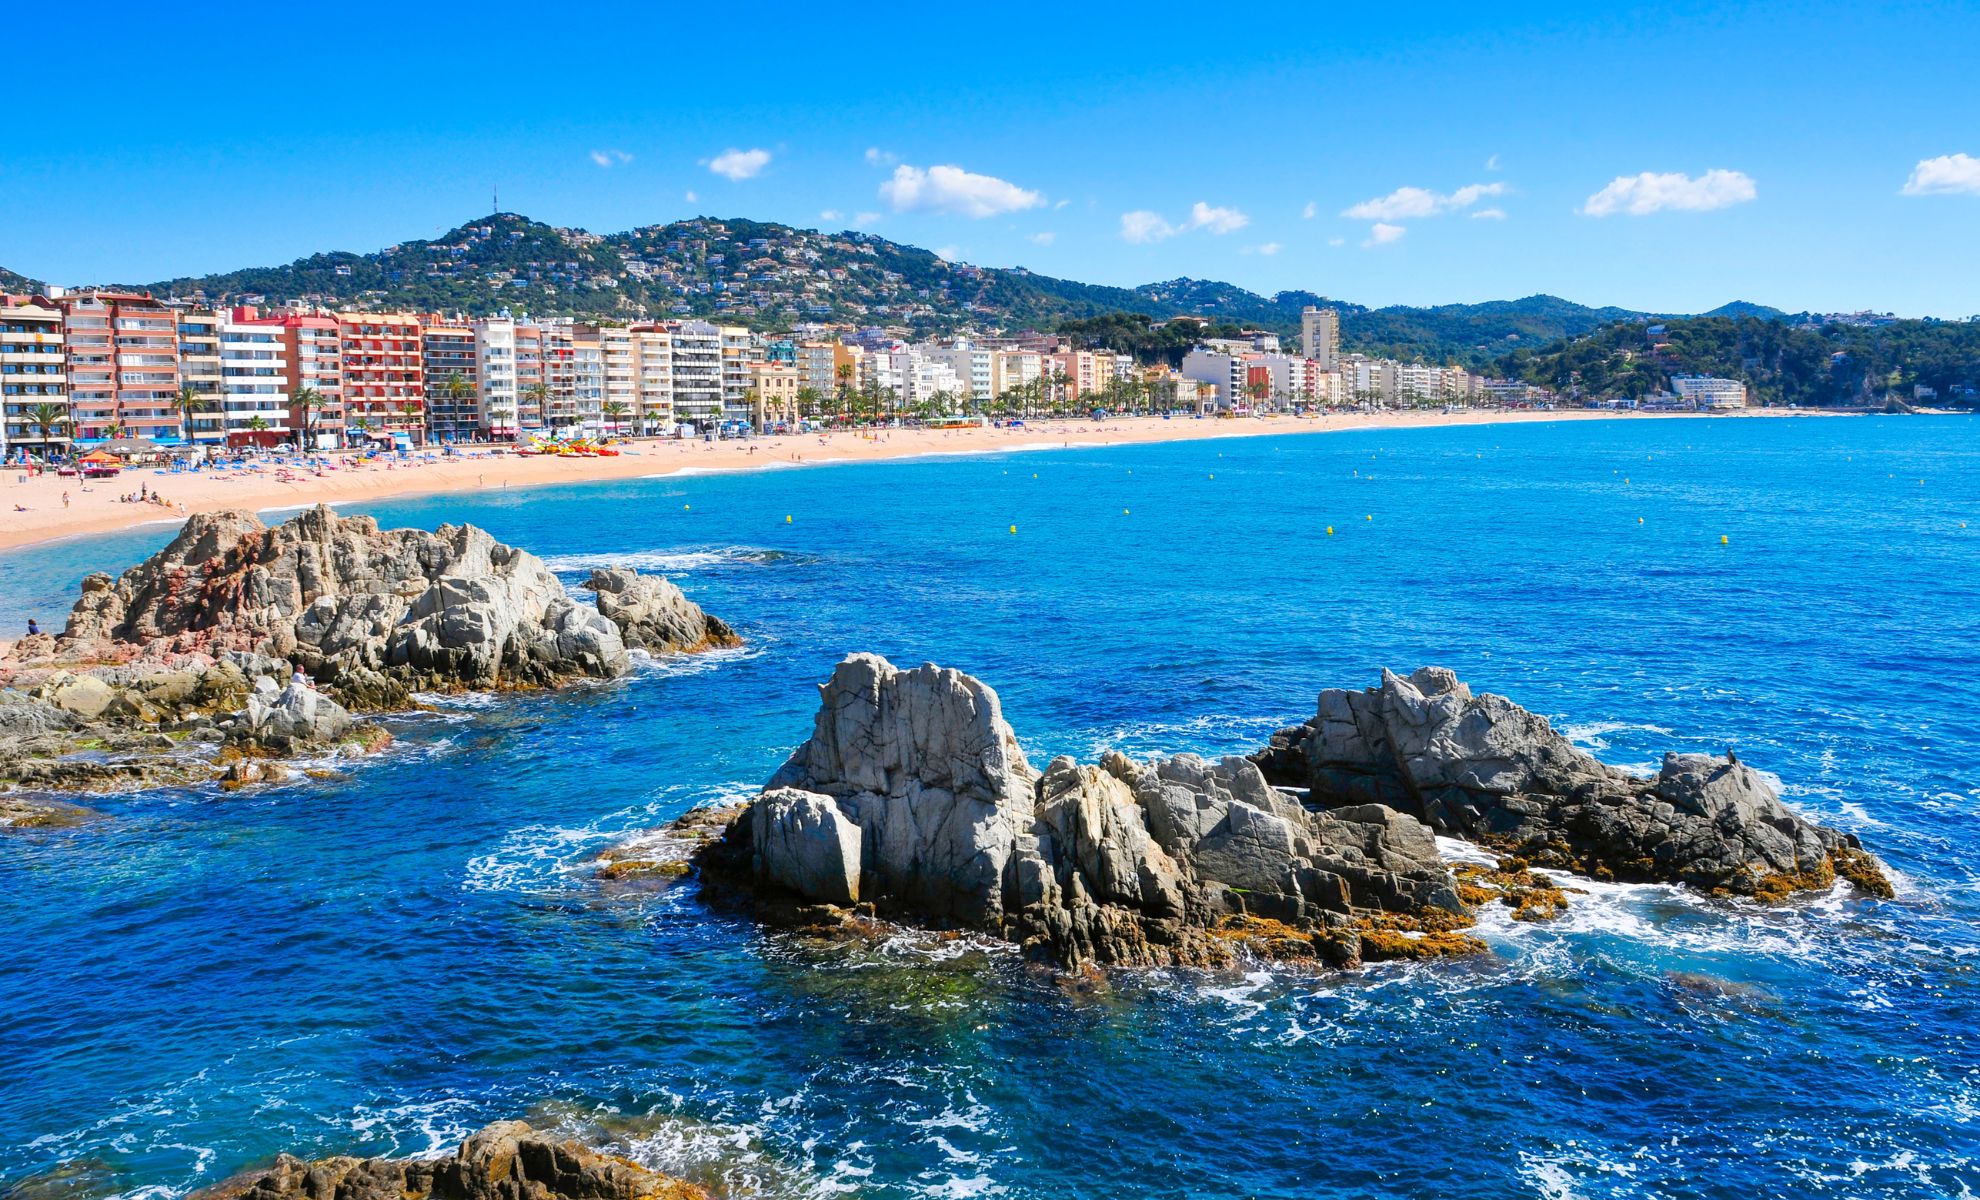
(383, 962)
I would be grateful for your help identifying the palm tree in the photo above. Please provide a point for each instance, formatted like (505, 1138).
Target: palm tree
(457, 390)
(753, 403)
(615, 411)
(257, 424)
(844, 372)
(47, 418)
(311, 402)
(807, 401)
(409, 412)
(188, 402)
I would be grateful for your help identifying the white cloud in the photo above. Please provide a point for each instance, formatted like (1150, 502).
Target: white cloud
(1216, 220)
(738, 165)
(1421, 202)
(1489, 214)
(948, 253)
(881, 158)
(1268, 249)
(1381, 234)
(1492, 163)
(1142, 225)
(830, 214)
(1311, 211)
(950, 189)
(1061, 204)
(863, 220)
(1045, 239)
(691, 198)
(610, 158)
(1945, 175)
(1641, 195)
(1337, 241)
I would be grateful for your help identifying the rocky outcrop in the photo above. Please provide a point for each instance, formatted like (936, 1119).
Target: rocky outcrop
(913, 800)
(1482, 768)
(913, 797)
(197, 645)
(654, 615)
(505, 1161)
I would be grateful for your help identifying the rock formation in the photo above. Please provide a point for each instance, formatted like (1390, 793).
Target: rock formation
(196, 645)
(1482, 768)
(653, 615)
(913, 796)
(913, 800)
(505, 1161)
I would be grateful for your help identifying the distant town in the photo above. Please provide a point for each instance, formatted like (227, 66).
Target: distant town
(79, 369)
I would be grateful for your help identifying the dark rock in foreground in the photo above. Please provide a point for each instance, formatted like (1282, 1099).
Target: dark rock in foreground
(505, 1161)
(1482, 768)
(913, 798)
(196, 646)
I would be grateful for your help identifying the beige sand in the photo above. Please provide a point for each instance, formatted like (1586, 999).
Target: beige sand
(32, 509)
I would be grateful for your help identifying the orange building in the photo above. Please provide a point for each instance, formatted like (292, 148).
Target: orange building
(384, 373)
(123, 365)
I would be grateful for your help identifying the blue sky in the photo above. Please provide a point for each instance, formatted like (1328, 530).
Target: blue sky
(1668, 158)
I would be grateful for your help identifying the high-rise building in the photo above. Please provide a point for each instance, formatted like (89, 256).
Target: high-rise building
(1320, 335)
(123, 365)
(531, 390)
(254, 379)
(453, 379)
(621, 359)
(34, 391)
(697, 370)
(740, 352)
(199, 370)
(384, 376)
(314, 347)
(495, 366)
(653, 373)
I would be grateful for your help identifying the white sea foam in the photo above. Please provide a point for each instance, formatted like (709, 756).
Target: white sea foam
(1594, 734)
(669, 562)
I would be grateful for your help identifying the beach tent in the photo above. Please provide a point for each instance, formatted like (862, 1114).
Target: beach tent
(98, 458)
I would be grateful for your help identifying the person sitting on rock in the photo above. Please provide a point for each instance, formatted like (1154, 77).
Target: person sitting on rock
(33, 629)
(299, 679)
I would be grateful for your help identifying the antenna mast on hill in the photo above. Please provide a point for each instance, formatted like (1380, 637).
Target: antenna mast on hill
(495, 198)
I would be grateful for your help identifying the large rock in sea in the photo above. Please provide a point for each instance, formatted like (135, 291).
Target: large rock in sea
(912, 795)
(505, 1161)
(200, 642)
(373, 615)
(1483, 768)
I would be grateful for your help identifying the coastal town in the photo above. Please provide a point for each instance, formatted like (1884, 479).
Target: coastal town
(91, 369)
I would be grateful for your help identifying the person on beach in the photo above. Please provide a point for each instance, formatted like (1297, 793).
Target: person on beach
(65, 499)
(33, 629)
(299, 679)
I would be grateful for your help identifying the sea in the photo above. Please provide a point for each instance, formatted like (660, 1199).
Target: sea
(384, 960)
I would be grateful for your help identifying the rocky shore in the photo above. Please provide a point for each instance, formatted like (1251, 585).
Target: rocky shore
(184, 669)
(505, 1161)
(912, 801)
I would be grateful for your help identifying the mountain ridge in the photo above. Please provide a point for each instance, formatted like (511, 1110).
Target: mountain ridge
(769, 275)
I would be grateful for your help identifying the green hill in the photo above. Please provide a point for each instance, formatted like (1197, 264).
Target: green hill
(1781, 361)
(19, 284)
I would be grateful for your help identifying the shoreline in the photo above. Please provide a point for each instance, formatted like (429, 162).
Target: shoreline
(96, 508)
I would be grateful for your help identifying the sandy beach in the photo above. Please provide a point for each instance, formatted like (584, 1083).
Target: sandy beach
(32, 509)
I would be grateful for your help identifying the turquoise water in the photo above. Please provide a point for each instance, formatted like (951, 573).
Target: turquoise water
(381, 963)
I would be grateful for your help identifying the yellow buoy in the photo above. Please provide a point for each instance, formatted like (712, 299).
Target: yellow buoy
(1330, 530)
(1371, 516)
(685, 507)
(787, 519)
(1213, 474)
(1639, 520)
(1724, 540)
(1625, 479)
(1013, 529)
(1124, 512)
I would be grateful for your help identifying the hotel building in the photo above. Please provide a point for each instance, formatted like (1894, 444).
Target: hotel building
(33, 373)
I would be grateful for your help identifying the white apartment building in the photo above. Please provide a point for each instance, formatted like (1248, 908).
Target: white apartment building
(740, 351)
(33, 372)
(1014, 369)
(1225, 373)
(495, 365)
(615, 342)
(1369, 380)
(254, 377)
(653, 380)
(976, 370)
(1705, 391)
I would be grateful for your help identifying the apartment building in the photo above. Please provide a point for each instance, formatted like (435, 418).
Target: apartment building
(574, 379)
(1225, 372)
(312, 343)
(1320, 335)
(775, 386)
(254, 380)
(740, 352)
(453, 378)
(123, 365)
(530, 386)
(1013, 369)
(199, 371)
(34, 390)
(974, 367)
(621, 363)
(697, 356)
(384, 373)
(653, 380)
(495, 368)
